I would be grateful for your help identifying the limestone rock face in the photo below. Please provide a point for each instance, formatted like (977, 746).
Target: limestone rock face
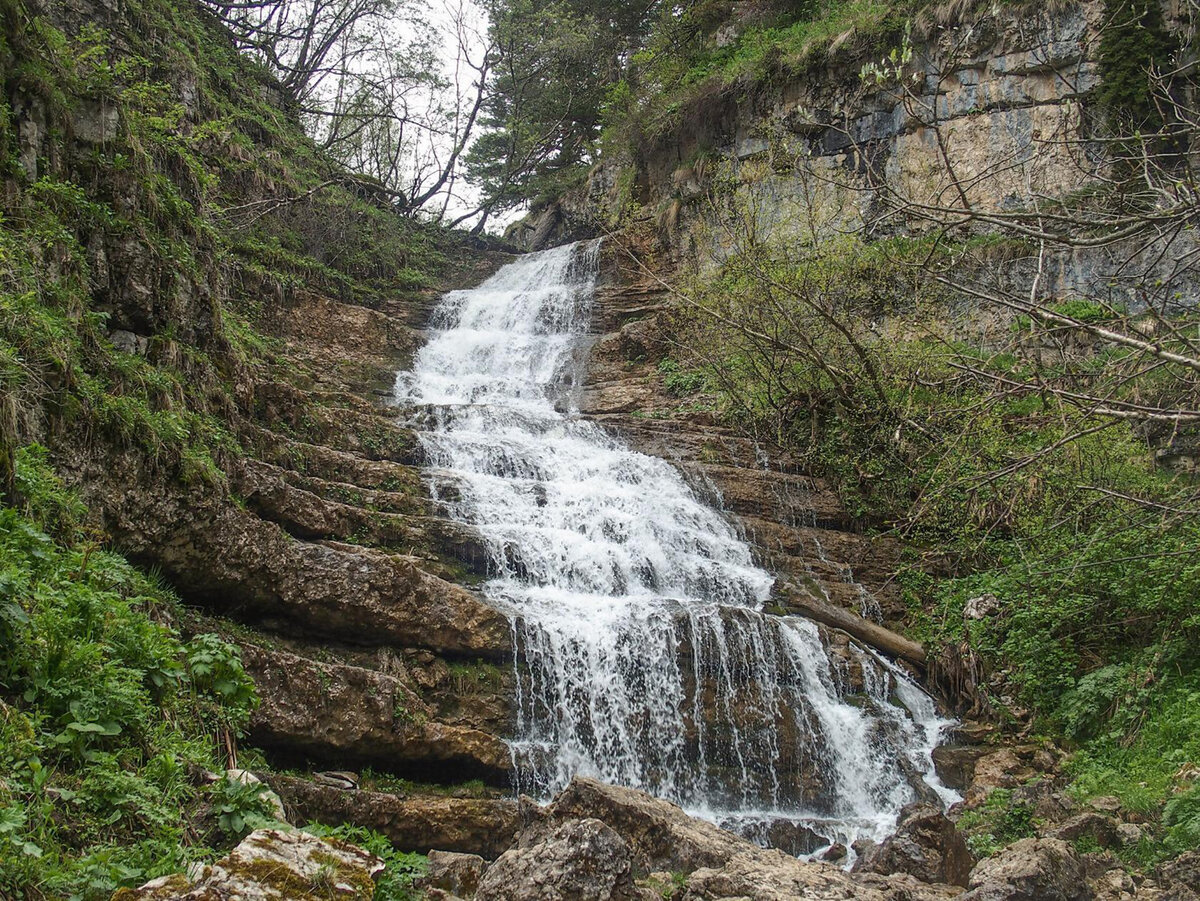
(270, 865)
(468, 825)
(925, 845)
(1033, 869)
(340, 712)
(580, 860)
(231, 560)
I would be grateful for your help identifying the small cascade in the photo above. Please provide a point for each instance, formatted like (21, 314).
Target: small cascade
(642, 654)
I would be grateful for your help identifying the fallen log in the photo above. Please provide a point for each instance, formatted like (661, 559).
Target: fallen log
(796, 600)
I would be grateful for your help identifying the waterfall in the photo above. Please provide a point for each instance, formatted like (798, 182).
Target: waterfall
(642, 657)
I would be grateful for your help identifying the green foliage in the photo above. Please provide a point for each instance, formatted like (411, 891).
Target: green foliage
(1146, 756)
(839, 351)
(680, 381)
(996, 823)
(401, 869)
(1133, 43)
(240, 807)
(1181, 816)
(103, 707)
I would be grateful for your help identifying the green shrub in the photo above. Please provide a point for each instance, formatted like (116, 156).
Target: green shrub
(103, 709)
(401, 869)
(996, 823)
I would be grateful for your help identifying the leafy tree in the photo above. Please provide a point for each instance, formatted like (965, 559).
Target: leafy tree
(554, 65)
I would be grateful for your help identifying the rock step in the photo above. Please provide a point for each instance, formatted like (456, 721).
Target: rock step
(467, 825)
(227, 560)
(268, 492)
(342, 715)
(369, 430)
(326, 463)
(402, 490)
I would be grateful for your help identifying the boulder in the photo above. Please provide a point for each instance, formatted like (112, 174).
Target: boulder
(271, 864)
(660, 835)
(660, 838)
(1003, 768)
(769, 875)
(1180, 877)
(925, 845)
(469, 825)
(1033, 869)
(579, 860)
(454, 873)
(955, 764)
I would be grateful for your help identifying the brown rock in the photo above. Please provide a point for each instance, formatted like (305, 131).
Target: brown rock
(227, 558)
(1180, 878)
(774, 876)
(925, 845)
(340, 713)
(955, 764)
(467, 825)
(1003, 768)
(455, 873)
(1032, 869)
(579, 860)
(660, 835)
(662, 838)
(1099, 828)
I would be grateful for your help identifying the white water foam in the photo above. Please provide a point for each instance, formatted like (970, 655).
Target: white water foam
(642, 656)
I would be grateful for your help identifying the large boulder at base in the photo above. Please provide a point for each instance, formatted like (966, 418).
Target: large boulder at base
(661, 836)
(580, 860)
(925, 845)
(269, 865)
(771, 875)
(1033, 869)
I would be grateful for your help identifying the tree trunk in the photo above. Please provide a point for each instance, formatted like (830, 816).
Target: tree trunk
(796, 600)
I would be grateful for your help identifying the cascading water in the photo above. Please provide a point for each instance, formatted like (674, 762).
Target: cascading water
(642, 656)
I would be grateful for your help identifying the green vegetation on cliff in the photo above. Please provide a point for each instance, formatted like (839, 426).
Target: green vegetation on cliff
(160, 207)
(107, 715)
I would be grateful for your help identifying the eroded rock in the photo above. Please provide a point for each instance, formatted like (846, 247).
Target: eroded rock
(661, 838)
(660, 835)
(338, 712)
(1033, 869)
(925, 845)
(482, 826)
(579, 860)
(272, 864)
(455, 873)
